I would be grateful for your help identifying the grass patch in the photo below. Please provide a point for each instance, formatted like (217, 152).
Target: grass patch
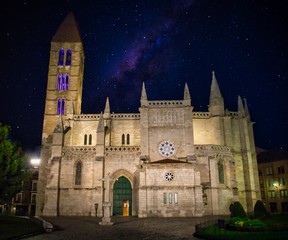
(273, 230)
(214, 233)
(13, 227)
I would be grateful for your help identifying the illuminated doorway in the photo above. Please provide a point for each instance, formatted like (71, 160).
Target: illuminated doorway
(122, 193)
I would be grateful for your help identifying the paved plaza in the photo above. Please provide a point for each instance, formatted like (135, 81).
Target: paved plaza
(87, 228)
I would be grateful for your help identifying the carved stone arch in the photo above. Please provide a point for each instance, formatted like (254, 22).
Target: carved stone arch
(77, 172)
(124, 173)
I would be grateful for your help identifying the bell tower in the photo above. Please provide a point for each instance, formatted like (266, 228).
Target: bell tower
(63, 100)
(65, 76)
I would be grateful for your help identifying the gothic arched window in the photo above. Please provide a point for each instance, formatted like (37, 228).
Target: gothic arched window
(68, 57)
(85, 139)
(90, 139)
(221, 172)
(78, 172)
(59, 82)
(128, 139)
(61, 57)
(66, 83)
(123, 139)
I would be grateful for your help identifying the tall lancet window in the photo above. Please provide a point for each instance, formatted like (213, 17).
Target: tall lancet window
(61, 57)
(90, 139)
(123, 139)
(128, 139)
(61, 106)
(221, 172)
(85, 139)
(78, 172)
(68, 57)
(66, 82)
(59, 82)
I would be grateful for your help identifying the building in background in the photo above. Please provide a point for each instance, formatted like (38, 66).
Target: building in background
(273, 178)
(166, 161)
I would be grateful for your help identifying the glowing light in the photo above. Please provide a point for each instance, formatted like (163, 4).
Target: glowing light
(35, 162)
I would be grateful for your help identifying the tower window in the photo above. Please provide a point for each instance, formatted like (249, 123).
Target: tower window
(78, 172)
(90, 139)
(68, 57)
(61, 57)
(164, 198)
(85, 139)
(61, 106)
(63, 82)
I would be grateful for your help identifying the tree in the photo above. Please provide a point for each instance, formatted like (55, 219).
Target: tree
(237, 210)
(259, 209)
(13, 165)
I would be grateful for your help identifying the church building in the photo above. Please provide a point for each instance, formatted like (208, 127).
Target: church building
(164, 161)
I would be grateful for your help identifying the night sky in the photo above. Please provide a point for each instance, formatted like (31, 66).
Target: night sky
(165, 44)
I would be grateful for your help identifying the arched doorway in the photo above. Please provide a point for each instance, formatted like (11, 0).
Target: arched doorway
(122, 195)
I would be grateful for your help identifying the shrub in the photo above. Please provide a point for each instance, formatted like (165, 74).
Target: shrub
(237, 210)
(259, 209)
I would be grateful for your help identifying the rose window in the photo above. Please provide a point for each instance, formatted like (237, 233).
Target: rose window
(169, 176)
(166, 149)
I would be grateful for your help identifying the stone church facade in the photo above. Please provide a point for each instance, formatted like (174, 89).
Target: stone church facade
(165, 161)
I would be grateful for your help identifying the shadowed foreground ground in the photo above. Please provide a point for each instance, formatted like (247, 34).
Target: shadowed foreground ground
(85, 228)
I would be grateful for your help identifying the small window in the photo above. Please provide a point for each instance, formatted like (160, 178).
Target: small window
(128, 139)
(165, 198)
(269, 171)
(281, 169)
(123, 139)
(34, 186)
(284, 193)
(59, 82)
(85, 139)
(90, 139)
(68, 57)
(272, 194)
(66, 82)
(61, 57)
(282, 181)
(33, 198)
(270, 182)
(78, 173)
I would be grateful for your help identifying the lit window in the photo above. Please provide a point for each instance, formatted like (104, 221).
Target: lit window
(270, 182)
(59, 82)
(128, 139)
(61, 57)
(85, 139)
(284, 193)
(78, 173)
(175, 198)
(61, 106)
(68, 57)
(282, 181)
(170, 198)
(272, 194)
(269, 171)
(66, 82)
(165, 198)
(90, 139)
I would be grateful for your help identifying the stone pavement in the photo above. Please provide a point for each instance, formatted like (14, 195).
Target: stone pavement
(124, 228)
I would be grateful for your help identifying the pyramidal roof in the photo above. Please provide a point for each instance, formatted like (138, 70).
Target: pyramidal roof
(68, 30)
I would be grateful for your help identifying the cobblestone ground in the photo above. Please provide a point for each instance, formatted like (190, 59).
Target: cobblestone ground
(87, 228)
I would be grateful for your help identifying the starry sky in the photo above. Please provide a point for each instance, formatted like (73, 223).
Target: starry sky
(164, 44)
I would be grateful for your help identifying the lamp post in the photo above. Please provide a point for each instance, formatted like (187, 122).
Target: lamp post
(35, 162)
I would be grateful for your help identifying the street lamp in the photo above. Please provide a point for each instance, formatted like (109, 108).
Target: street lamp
(35, 162)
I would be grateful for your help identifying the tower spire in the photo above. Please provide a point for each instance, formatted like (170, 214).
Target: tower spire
(107, 109)
(68, 30)
(241, 110)
(144, 100)
(100, 127)
(216, 103)
(187, 97)
(247, 113)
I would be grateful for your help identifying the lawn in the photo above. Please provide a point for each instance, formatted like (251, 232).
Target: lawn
(274, 230)
(13, 227)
